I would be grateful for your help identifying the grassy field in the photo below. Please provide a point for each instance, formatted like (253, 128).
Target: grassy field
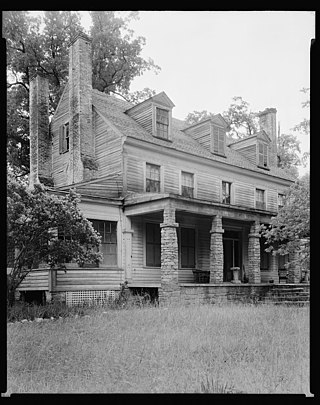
(215, 349)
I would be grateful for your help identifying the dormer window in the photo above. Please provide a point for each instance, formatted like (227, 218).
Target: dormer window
(218, 140)
(262, 154)
(162, 123)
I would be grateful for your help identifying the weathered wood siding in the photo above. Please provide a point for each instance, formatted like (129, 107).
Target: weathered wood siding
(88, 279)
(171, 179)
(60, 161)
(201, 133)
(244, 194)
(37, 279)
(208, 187)
(134, 174)
(143, 115)
(250, 152)
(108, 155)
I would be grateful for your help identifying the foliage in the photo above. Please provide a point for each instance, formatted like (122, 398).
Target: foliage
(304, 125)
(40, 44)
(288, 149)
(197, 116)
(289, 231)
(43, 227)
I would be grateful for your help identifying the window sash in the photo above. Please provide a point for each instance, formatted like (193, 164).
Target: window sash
(263, 154)
(187, 248)
(108, 246)
(187, 184)
(162, 123)
(280, 200)
(64, 138)
(153, 245)
(260, 199)
(226, 192)
(152, 178)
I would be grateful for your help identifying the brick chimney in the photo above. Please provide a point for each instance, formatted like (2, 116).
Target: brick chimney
(267, 122)
(40, 141)
(80, 108)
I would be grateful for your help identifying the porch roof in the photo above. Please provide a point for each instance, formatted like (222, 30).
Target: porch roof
(140, 204)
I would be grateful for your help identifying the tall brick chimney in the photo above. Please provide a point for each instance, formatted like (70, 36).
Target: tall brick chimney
(80, 107)
(40, 141)
(267, 122)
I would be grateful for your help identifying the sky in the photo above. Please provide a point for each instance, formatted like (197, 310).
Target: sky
(208, 57)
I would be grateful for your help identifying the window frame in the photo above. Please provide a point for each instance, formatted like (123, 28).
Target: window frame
(218, 141)
(194, 266)
(282, 198)
(150, 179)
(184, 187)
(263, 157)
(159, 106)
(64, 138)
(154, 244)
(115, 234)
(230, 192)
(261, 205)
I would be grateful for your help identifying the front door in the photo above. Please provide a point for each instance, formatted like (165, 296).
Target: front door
(231, 254)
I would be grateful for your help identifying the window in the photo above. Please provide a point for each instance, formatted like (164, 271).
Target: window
(264, 256)
(64, 138)
(260, 199)
(187, 184)
(218, 140)
(263, 154)
(280, 200)
(153, 245)
(226, 192)
(162, 123)
(187, 248)
(108, 246)
(152, 178)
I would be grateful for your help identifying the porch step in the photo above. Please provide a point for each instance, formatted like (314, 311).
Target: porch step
(287, 295)
(298, 303)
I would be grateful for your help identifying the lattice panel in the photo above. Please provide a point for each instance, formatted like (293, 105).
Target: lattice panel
(90, 297)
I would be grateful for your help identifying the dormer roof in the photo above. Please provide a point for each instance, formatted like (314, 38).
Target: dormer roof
(160, 98)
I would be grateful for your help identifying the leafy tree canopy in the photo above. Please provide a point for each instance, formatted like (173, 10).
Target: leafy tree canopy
(289, 231)
(41, 44)
(35, 219)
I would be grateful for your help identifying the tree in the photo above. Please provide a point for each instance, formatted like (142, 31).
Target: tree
(43, 227)
(304, 126)
(288, 149)
(41, 44)
(197, 116)
(289, 231)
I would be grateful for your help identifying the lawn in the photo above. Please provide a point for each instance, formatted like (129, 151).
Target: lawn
(216, 349)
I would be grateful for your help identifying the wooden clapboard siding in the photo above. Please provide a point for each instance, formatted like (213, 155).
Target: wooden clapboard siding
(137, 225)
(35, 280)
(143, 116)
(185, 276)
(250, 152)
(272, 200)
(201, 133)
(135, 174)
(208, 187)
(146, 275)
(83, 279)
(244, 194)
(171, 179)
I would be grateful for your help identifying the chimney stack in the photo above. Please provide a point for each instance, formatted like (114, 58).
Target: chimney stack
(267, 122)
(40, 142)
(80, 107)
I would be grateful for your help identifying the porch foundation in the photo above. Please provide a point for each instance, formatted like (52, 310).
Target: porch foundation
(254, 254)
(216, 250)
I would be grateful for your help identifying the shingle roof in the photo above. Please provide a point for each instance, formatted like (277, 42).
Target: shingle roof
(114, 110)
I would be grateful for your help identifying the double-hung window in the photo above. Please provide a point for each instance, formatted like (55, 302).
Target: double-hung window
(263, 154)
(64, 138)
(108, 246)
(260, 199)
(152, 178)
(226, 192)
(153, 245)
(187, 248)
(280, 200)
(162, 123)
(187, 184)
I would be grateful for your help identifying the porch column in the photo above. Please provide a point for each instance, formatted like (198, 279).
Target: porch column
(216, 250)
(254, 254)
(127, 249)
(169, 291)
(274, 268)
(294, 270)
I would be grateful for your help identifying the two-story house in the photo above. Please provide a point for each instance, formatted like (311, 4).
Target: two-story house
(171, 201)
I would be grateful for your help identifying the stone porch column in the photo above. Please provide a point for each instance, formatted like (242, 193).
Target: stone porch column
(127, 234)
(294, 270)
(216, 250)
(169, 291)
(274, 268)
(254, 254)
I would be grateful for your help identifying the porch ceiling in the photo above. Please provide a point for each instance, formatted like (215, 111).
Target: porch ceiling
(141, 204)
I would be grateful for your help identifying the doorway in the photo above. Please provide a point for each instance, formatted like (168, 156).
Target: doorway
(231, 254)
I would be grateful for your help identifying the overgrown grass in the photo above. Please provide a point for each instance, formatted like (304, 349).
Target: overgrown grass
(202, 349)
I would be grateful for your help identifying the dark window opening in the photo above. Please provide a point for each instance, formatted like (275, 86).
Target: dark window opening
(187, 185)
(108, 246)
(226, 192)
(152, 178)
(64, 138)
(187, 248)
(153, 245)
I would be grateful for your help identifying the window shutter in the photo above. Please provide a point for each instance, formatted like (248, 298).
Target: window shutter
(61, 139)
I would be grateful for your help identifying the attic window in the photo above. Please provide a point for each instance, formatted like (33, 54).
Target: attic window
(64, 138)
(162, 123)
(263, 155)
(218, 140)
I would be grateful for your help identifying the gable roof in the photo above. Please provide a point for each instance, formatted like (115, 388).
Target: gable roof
(262, 135)
(114, 110)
